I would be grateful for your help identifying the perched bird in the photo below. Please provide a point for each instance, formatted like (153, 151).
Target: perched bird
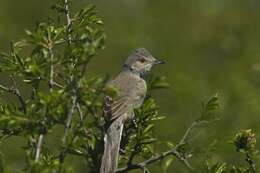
(131, 89)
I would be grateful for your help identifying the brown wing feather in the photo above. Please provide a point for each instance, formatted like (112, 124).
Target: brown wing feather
(114, 109)
(128, 96)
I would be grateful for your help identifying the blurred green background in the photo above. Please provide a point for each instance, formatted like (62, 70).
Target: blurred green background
(210, 46)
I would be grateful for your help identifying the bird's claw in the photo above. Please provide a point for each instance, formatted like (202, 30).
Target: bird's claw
(134, 122)
(122, 151)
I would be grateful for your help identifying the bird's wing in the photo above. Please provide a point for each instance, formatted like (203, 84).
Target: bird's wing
(123, 103)
(115, 108)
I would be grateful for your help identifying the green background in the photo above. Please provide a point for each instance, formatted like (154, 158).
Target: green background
(211, 46)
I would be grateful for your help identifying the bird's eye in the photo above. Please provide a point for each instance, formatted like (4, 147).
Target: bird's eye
(142, 60)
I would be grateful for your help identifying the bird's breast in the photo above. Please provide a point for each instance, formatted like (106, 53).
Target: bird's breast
(140, 94)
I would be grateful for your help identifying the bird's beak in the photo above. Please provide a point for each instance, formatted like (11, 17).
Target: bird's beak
(158, 61)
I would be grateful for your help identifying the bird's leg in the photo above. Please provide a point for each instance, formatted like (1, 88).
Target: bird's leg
(134, 120)
(122, 151)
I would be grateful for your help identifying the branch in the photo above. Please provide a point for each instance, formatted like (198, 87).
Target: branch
(3, 88)
(15, 91)
(57, 85)
(67, 13)
(81, 117)
(38, 148)
(62, 154)
(174, 151)
(158, 157)
(68, 123)
(74, 97)
(51, 84)
(186, 134)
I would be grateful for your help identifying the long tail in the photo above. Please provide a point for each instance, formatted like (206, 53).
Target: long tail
(112, 144)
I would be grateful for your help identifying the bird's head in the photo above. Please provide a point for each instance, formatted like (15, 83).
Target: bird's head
(141, 61)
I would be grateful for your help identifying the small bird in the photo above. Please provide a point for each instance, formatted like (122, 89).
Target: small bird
(131, 91)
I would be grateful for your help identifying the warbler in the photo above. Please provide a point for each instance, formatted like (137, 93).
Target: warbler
(131, 91)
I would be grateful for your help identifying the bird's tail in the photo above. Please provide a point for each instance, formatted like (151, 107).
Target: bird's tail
(111, 146)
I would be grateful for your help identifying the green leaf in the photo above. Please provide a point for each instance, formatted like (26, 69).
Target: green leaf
(21, 43)
(156, 82)
(29, 33)
(167, 163)
(148, 128)
(209, 109)
(213, 168)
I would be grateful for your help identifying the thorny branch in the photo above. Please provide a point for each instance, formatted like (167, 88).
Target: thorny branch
(15, 91)
(74, 97)
(38, 147)
(186, 134)
(67, 13)
(51, 84)
(81, 117)
(174, 151)
(68, 123)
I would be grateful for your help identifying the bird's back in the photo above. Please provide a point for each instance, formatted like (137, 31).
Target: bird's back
(131, 93)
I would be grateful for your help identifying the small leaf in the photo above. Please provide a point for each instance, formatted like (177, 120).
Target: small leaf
(29, 33)
(148, 128)
(156, 82)
(167, 163)
(209, 109)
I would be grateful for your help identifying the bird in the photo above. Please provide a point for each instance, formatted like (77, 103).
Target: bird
(131, 90)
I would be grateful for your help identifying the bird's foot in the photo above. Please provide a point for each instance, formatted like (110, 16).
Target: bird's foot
(134, 122)
(122, 151)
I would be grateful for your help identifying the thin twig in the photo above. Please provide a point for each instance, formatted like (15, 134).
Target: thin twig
(174, 151)
(15, 91)
(82, 117)
(68, 123)
(57, 85)
(38, 148)
(51, 84)
(186, 134)
(62, 154)
(67, 13)
(158, 157)
(3, 88)
(74, 97)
